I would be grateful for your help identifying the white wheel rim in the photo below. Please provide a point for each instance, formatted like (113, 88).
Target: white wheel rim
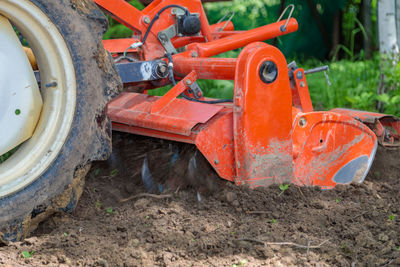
(34, 157)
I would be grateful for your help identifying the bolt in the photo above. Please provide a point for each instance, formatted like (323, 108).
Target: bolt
(302, 84)
(163, 68)
(146, 19)
(302, 122)
(52, 84)
(299, 75)
(188, 82)
(199, 94)
(194, 54)
(216, 162)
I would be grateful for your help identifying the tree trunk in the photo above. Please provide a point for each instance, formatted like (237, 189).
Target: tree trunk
(367, 23)
(387, 27)
(388, 46)
(398, 22)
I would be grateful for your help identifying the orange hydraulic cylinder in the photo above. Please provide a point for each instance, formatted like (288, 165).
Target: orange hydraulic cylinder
(240, 40)
(206, 68)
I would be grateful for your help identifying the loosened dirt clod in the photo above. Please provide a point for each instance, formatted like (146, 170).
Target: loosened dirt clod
(355, 225)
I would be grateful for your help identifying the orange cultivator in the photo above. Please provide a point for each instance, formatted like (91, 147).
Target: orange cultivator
(269, 132)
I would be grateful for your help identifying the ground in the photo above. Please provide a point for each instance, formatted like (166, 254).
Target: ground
(116, 224)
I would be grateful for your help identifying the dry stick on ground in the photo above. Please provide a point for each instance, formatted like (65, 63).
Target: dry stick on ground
(282, 243)
(145, 195)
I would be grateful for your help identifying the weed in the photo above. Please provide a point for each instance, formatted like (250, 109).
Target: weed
(114, 173)
(274, 221)
(283, 188)
(147, 217)
(65, 234)
(233, 233)
(337, 200)
(392, 217)
(98, 204)
(241, 263)
(27, 254)
(398, 248)
(110, 211)
(96, 172)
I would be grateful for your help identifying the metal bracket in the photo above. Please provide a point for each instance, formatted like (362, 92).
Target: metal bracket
(165, 37)
(195, 90)
(138, 71)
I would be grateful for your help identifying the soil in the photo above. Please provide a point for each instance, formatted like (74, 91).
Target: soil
(214, 223)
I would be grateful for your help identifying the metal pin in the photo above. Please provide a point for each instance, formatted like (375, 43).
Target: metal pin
(52, 84)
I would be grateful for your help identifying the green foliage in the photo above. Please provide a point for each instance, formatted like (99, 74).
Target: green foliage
(283, 188)
(110, 210)
(27, 254)
(117, 30)
(7, 155)
(241, 263)
(114, 172)
(353, 85)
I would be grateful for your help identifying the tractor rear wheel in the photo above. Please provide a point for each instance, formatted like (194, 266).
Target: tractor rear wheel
(46, 173)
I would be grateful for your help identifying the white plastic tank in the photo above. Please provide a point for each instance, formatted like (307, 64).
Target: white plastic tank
(20, 98)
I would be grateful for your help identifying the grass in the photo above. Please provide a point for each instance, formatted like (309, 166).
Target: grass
(7, 155)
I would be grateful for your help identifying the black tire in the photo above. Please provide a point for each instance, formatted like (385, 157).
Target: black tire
(58, 189)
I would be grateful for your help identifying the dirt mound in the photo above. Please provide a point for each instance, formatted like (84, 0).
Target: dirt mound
(356, 225)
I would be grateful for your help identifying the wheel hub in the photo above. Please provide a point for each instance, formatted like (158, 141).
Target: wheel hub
(20, 99)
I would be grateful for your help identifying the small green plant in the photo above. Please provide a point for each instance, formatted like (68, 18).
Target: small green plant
(96, 172)
(398, 248)
(27, 254)
(110, 211)
(147, 217)
(241, 263)
(337, 200)
(392, 217)
(65, 234)
(233, 233)
(283, 188)
(114, 173)
(274, 221)
(98, 204)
